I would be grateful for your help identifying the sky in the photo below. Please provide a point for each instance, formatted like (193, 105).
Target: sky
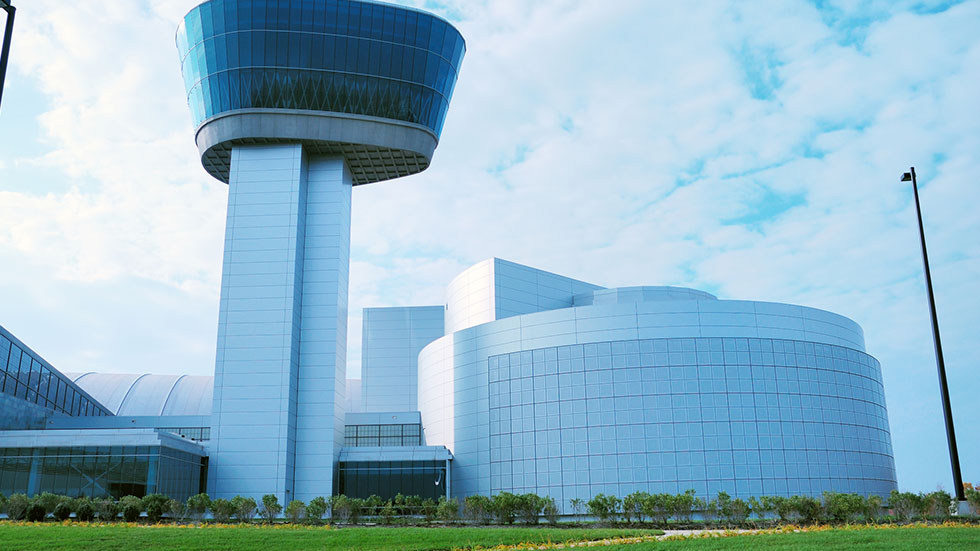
(750, 149)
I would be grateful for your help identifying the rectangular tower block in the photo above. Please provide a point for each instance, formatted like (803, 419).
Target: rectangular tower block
(282, 327)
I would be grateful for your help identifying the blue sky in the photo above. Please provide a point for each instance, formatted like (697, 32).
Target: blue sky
(751, 149)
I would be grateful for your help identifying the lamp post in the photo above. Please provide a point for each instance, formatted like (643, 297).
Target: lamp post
(954, 457)
(5, 49)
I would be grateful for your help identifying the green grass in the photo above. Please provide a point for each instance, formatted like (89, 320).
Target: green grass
(902, 539)
(136, 538)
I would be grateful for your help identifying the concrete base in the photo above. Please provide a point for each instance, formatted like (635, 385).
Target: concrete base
(963, 509)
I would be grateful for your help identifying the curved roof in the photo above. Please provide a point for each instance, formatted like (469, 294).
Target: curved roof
(130, 394)
(647, 293)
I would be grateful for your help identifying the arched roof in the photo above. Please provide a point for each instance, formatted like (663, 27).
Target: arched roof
(130, 394)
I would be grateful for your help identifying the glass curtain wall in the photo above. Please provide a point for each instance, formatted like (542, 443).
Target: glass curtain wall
(386, 479)
(99, 471)
(383, 435)
(25, 376)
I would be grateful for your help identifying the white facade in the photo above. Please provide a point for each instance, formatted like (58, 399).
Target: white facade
(658, 389)
(390, 345)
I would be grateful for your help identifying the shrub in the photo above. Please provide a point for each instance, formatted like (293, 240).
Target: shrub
(295, 511)
(972, 497)
(388, 513)
(316, 509)
(578, 505)
(708, 509)
(62, 511)
(785, 508)
(903, 504)
(604, 508)
(244, 507)
(479, 509)
(49, 501)
(177, 510)
(633, 506)
(528, 508)
(35, 513)
(222, 510)
(372, 505)
(131, 507)
(107, 509)
(939, 503)
(683, 505)
(399, 505)
(809, 508)
(356, 510)
(657, 507)
(429, 509)
(739, 511)
(84, 509)
(724, 506)
(872, 508)
(198, 505)
(340, 508)
(17, 505)
(550, 511)
(504, 507)
(3, 504)
(447, 510)
(155, 506)
(270, 508)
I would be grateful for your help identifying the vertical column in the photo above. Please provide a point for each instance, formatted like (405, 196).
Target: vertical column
(323, 350)
(254, 412)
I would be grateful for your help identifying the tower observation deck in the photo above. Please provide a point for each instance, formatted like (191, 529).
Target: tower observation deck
(293, 103)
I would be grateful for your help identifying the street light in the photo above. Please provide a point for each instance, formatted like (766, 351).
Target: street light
(954, 457)
(5, 49)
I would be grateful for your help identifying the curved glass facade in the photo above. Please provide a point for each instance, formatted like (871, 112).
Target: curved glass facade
(359, 58)
(741, 415)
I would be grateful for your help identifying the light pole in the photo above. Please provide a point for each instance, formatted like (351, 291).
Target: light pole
(954, 457)
(5, 49)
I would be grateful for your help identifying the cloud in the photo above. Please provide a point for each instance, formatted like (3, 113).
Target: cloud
(750, 149)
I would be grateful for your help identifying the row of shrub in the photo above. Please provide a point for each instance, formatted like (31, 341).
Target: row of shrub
(503, 508)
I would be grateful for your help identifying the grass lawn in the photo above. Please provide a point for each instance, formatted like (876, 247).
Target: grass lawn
(867, 539)
(137, 538)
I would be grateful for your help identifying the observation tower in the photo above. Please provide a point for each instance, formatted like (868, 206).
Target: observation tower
(294, 103)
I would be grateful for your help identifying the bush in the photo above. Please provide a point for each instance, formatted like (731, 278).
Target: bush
(809, 508)
(841, 508)
(683, 505)
(388, 513)
(62, 512)
(429, 509)
(938, 504)
(577, 505)
(972, 497)
(222, 510)
(785, 508)
(35, 513)
(316, 509)
(447, 510)
(244, 507)
(903, 504)
(504, 507)
(603, 507)
(739, 511)
(340, 508)
(198, 505)
(17, 505)
(550, 511)
(479, 509)
(3, 504)
(872, 508)
(107, 509)
(708, 508)
(633, 506)
(177, 510)
(155, 506)
(295, 511)
(270, 508)
(528, 508)
(131, 507)
(49, 501)
(84, 509)
(657, 507)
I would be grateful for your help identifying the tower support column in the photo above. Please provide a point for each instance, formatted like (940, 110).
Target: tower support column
(282, 325)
